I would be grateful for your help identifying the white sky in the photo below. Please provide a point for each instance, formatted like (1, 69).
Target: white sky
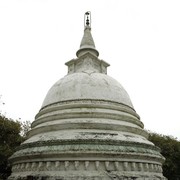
(139, 38)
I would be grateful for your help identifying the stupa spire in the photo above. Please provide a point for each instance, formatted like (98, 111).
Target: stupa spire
(87, 42)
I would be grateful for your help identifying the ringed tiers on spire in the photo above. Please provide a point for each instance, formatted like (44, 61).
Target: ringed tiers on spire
(87, 43)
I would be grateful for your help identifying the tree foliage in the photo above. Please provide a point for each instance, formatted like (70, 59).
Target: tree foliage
(170, 149)
(25, 128)
(10, 138)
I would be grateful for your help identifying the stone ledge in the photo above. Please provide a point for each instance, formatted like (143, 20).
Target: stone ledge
(91, 144)
(109, 166)
(89, 102)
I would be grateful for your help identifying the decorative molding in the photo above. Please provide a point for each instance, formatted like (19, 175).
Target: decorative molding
(82, 102)
(87, 166)
(46, 113)
(86, 62)
(92, 144)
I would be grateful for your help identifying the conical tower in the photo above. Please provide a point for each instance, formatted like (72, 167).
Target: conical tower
(87, 128)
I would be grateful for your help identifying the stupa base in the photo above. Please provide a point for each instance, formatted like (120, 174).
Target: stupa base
(87, 175)
(106, 176)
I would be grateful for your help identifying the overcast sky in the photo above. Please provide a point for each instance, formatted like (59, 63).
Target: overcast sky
(139, 38)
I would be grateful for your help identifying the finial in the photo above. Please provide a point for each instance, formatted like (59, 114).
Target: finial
(87, 43)
(87, 19)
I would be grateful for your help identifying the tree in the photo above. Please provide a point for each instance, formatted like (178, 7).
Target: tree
(10, 138)
(25, 128)
(170, 149)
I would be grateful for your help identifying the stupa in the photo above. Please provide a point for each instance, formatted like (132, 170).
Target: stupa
(87, 128)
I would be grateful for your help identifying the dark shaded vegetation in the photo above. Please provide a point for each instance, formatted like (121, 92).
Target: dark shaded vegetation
(12, 134)
(170, 149)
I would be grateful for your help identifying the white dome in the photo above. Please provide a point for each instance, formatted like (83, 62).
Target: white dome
(82, 85)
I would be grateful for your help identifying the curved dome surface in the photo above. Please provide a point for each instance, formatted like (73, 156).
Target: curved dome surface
(87, 86)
